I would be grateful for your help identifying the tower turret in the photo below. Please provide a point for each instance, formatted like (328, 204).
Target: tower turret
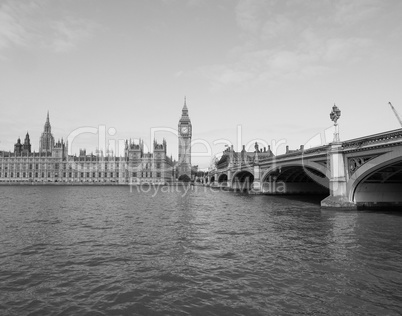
(26, 148)
(18, 147)
(185, 134)
(46, 141)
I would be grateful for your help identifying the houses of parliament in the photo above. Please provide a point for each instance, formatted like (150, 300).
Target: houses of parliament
(53, 164)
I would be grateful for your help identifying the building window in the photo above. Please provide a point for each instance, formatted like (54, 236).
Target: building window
(64, 174)
(36, 174)
(111, 174)
(117, 174)
(43, 174)
(158, 165)
(5, 175)
(36, 166)
(100, 174)
(69, 174)
(134, 174)
(18, 174)
(30, 166)
(82, 174)
(105, 174)
(158, 174)
(48, 174)
(93, 174)
(87, 174)
(23, 174)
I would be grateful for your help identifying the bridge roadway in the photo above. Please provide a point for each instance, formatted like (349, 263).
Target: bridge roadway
(366, 171)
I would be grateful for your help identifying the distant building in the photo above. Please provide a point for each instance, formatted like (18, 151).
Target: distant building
(153, 167)
(230, 156)
(53, 164)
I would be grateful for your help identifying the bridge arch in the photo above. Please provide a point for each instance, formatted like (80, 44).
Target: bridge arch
(184, 178)
(223, 178)
(378, 181)
(296, 177)
(242, 180)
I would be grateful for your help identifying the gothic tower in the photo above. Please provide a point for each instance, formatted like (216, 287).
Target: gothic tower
(46, 142)
(26, 148)
(18, 147)
(185, 132)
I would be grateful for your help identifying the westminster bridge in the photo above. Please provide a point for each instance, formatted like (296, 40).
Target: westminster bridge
(364, 171)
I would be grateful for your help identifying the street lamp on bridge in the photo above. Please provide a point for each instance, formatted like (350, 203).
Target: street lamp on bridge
(335, 115)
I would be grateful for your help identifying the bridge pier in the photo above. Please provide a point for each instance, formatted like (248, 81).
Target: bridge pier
(337, 183)
(229, 181)
(257, 184)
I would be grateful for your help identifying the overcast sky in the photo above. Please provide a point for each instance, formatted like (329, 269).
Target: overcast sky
(275, 68)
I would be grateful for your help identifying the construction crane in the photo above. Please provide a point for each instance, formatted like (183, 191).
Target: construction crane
(396, 113)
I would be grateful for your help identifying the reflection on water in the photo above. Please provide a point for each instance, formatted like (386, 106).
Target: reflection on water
(106, 250)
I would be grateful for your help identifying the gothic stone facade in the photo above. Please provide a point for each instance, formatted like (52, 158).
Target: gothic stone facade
(53, 164)
(185, 133)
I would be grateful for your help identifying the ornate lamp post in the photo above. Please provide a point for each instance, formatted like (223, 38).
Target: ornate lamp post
(335, 115)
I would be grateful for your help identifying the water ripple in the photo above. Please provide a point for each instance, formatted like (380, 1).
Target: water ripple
(204, 253)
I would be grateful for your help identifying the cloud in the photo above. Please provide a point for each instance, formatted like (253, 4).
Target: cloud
(293, 39)
(247, 14)
(179, 74)
(348, 12)
(15, 22)
(180, 2)
(40, 24)
(279, 24)
(69, 32)
(341, 48)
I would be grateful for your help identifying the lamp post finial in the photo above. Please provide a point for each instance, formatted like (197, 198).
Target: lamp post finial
(334, 116)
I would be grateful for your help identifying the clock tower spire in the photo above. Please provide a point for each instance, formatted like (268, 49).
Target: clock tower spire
(185, 133)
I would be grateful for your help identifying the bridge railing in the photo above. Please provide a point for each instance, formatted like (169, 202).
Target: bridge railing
(372, 139)
(299, 152)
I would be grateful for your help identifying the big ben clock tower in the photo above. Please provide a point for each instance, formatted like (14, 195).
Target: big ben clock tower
(185, 131)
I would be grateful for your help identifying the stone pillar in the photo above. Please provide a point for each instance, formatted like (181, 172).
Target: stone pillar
(337, 183)
(257, 184)
(216, 183)
(229, 182)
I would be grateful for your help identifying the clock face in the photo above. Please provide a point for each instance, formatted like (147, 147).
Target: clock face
(184, 130)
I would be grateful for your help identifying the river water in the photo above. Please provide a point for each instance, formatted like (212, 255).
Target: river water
(90, 250)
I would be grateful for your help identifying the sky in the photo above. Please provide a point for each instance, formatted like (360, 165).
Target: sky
(251, 70)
